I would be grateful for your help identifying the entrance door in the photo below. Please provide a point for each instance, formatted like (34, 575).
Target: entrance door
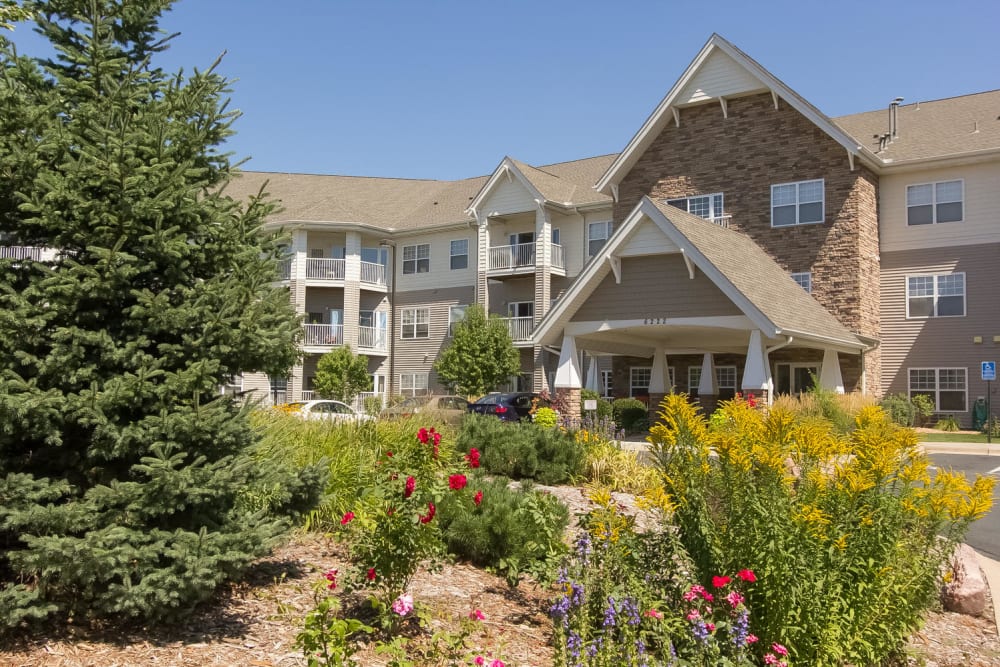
(522, 247)
(795, 378)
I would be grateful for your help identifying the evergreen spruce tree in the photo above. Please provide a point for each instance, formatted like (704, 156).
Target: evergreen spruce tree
(481, 355)
(123, 472)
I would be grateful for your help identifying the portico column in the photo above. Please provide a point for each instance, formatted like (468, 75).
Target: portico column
(482, 261)
(829, 375)
(659, 382)
(568, 377)
(757, 371)
(708, 386)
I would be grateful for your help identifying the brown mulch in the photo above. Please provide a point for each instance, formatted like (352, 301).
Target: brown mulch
(254, 622)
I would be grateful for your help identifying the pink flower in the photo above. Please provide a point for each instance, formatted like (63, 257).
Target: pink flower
(653, 613)
(497, 663)
(457, 482)
(751, 639)
(371, 574)
(478, 498)
(693, 615)
(411, 484)
(423, 436)
(431, 511)
(747, 576)
(347, 518)
(779, 649)
(734, 598)
(477, 615)
(473, 458)
(331, 576)
(719, 582)
(710, 627)
(403, 604)
(480, 661)
(770, 659)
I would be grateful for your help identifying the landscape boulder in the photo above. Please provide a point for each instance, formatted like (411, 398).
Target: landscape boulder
(965, 593)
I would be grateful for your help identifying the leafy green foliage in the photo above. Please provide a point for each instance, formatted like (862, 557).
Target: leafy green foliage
(604, 409)
(123, 468)
(546, 417)
(341, 375)
(325, 640)
(480, 357)
(947, 424)
(628, 411)
(907, 411)
(522, 450)
(510, 530)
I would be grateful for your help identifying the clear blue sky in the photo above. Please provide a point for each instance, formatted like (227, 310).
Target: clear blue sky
(445, 88)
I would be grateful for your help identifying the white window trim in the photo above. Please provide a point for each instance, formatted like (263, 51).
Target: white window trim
(417, 258)
(697, 369)
(715, 215)
(937, 386)
(512, 304)
(452, 255)
(631, 377)
(415, 323)
(451, 320)
(798, 184)
(607, 379)
(805, 277)
(965, 295)
(413, 386)
(608, 231)
(233, 387)
(934, 202)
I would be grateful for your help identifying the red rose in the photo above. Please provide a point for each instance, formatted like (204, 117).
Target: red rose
(331, 576)
(473, 458)
(411, 484)
(431, 511)
(747, 576)
(422, 435)
(719, 582)
(457, 482)
(478, 497)
(347, 518)
(371, 574)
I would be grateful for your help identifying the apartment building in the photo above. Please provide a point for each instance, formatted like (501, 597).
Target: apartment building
(741, 241)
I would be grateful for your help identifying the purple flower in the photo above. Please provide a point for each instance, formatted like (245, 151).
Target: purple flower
(740, 629)
(609, 613)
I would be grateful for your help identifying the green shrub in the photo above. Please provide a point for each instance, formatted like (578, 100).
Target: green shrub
(546, 417)
(510, 530)
(947, 424)
(847, 535)
(604, 409)
(373, 405)
(627, 411)
(522, 450)
(992, 427)
(906, 411)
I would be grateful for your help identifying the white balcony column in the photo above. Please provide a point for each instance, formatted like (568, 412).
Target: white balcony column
(352, 289)
(568, 374)
(482, 260)
(299, 252)
(757, 371)
(829, 375)
(709, 384)
(543, 260)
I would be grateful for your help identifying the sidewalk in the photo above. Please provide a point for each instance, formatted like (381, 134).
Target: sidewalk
(969, 448)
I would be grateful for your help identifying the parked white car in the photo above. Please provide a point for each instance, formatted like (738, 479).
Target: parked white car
(329, 410)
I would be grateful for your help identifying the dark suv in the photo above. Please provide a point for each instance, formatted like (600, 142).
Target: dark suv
(508, 407)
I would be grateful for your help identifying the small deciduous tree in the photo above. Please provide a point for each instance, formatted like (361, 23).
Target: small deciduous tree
(341, 375)
(481, 355)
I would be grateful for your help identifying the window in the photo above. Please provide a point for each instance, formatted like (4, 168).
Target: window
(415, 323)
(413, 384)
(417, 258)
(607, 382)
(795, 378)
(460, 254)
(704, 206)
(930, 203)
(521, 309)
(945, 386)
(725, 381)
(797, 203)
(455, 315)
(638, 381)
(279, 389)
(598, 234)
(805, 280)
(935, 296)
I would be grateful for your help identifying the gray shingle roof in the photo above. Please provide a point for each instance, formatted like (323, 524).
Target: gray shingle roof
(932, 129)
(758, 277)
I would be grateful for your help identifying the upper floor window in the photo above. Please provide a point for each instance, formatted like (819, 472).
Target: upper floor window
(935, 295)
(598, 234)
(417, 258)
(805, 280)
(945, 386)
(415, 323)
(455, 315)
(929, 203)
(459, 254)
(704, 206)
(797, 203)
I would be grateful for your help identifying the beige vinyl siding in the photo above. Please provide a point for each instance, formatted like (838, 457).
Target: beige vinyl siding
(325, 241)
(943, 342)
(509, 196)
(418, 355)
(655, 287)
(509, 291)
(980, 209)
(718, 76)
(320, 299)
(257, 387)
(440, 274)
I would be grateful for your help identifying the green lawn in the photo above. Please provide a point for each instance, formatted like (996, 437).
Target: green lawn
(945, 436)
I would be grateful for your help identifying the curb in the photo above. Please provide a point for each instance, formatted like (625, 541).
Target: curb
(968, 448)
(991, 569)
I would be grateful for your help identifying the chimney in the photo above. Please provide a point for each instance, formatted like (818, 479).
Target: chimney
(893, 122)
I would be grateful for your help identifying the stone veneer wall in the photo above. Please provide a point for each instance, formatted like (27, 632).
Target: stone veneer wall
(742, 156)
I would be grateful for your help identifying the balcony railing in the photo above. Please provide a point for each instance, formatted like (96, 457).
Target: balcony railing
(21, 252)
(558, 257)
(285, 269)
(520, 328)
(324, 269)
(308, 395)
(372, 338)
(373, 274)
(358, 403)
(722, 220)
(508, 257)
(323, 334)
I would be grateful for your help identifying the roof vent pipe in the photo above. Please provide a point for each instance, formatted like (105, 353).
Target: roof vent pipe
(893, 123)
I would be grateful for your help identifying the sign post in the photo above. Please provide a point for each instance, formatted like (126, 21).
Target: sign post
(989, 370)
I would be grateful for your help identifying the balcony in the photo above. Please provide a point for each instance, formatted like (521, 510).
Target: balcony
(722, 220)
(519, 259)
(285, 269)
(18, 252)
(373, 274)
(324, 269)
(520, 328)
(372, 339)
(323, 335)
